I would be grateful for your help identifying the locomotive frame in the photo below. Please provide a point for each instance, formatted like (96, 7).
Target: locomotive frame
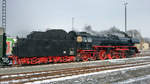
(99, 52)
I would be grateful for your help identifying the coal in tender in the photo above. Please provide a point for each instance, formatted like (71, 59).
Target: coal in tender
(35, 35)
(56, 34)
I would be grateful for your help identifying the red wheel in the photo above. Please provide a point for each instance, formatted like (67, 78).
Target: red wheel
(116, 55)
(84, 56)
(92, 57)
(102, 55)
(54, 60)
(112, 54)
(123, 55)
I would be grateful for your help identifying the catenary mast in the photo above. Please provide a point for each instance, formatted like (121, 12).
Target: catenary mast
(4, 14)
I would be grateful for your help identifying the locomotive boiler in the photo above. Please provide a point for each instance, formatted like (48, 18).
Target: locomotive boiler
(59, 46)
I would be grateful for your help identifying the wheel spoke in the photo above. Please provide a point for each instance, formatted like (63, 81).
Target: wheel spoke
(84, 57)
(123, 55)
(117, 55)
(102, 55)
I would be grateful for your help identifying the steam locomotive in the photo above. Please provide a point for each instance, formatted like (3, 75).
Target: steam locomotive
(57, 45)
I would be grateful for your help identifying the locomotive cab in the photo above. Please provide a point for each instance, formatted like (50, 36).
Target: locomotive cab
(84, 40)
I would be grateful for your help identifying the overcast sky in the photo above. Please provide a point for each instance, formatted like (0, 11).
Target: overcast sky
(28, 15)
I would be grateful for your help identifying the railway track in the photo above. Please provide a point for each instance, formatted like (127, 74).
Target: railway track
(51, 74)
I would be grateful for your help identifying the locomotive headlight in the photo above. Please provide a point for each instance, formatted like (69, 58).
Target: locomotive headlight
(79, 39)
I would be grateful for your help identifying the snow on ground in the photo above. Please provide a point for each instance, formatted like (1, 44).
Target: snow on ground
(101, 73)
(139, 80)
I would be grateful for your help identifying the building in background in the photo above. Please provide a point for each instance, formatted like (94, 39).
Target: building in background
(143, 46)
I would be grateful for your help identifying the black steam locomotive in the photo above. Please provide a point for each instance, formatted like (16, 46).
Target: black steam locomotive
(60, 46)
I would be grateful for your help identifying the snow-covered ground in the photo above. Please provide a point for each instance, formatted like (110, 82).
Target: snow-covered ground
(130, 75)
